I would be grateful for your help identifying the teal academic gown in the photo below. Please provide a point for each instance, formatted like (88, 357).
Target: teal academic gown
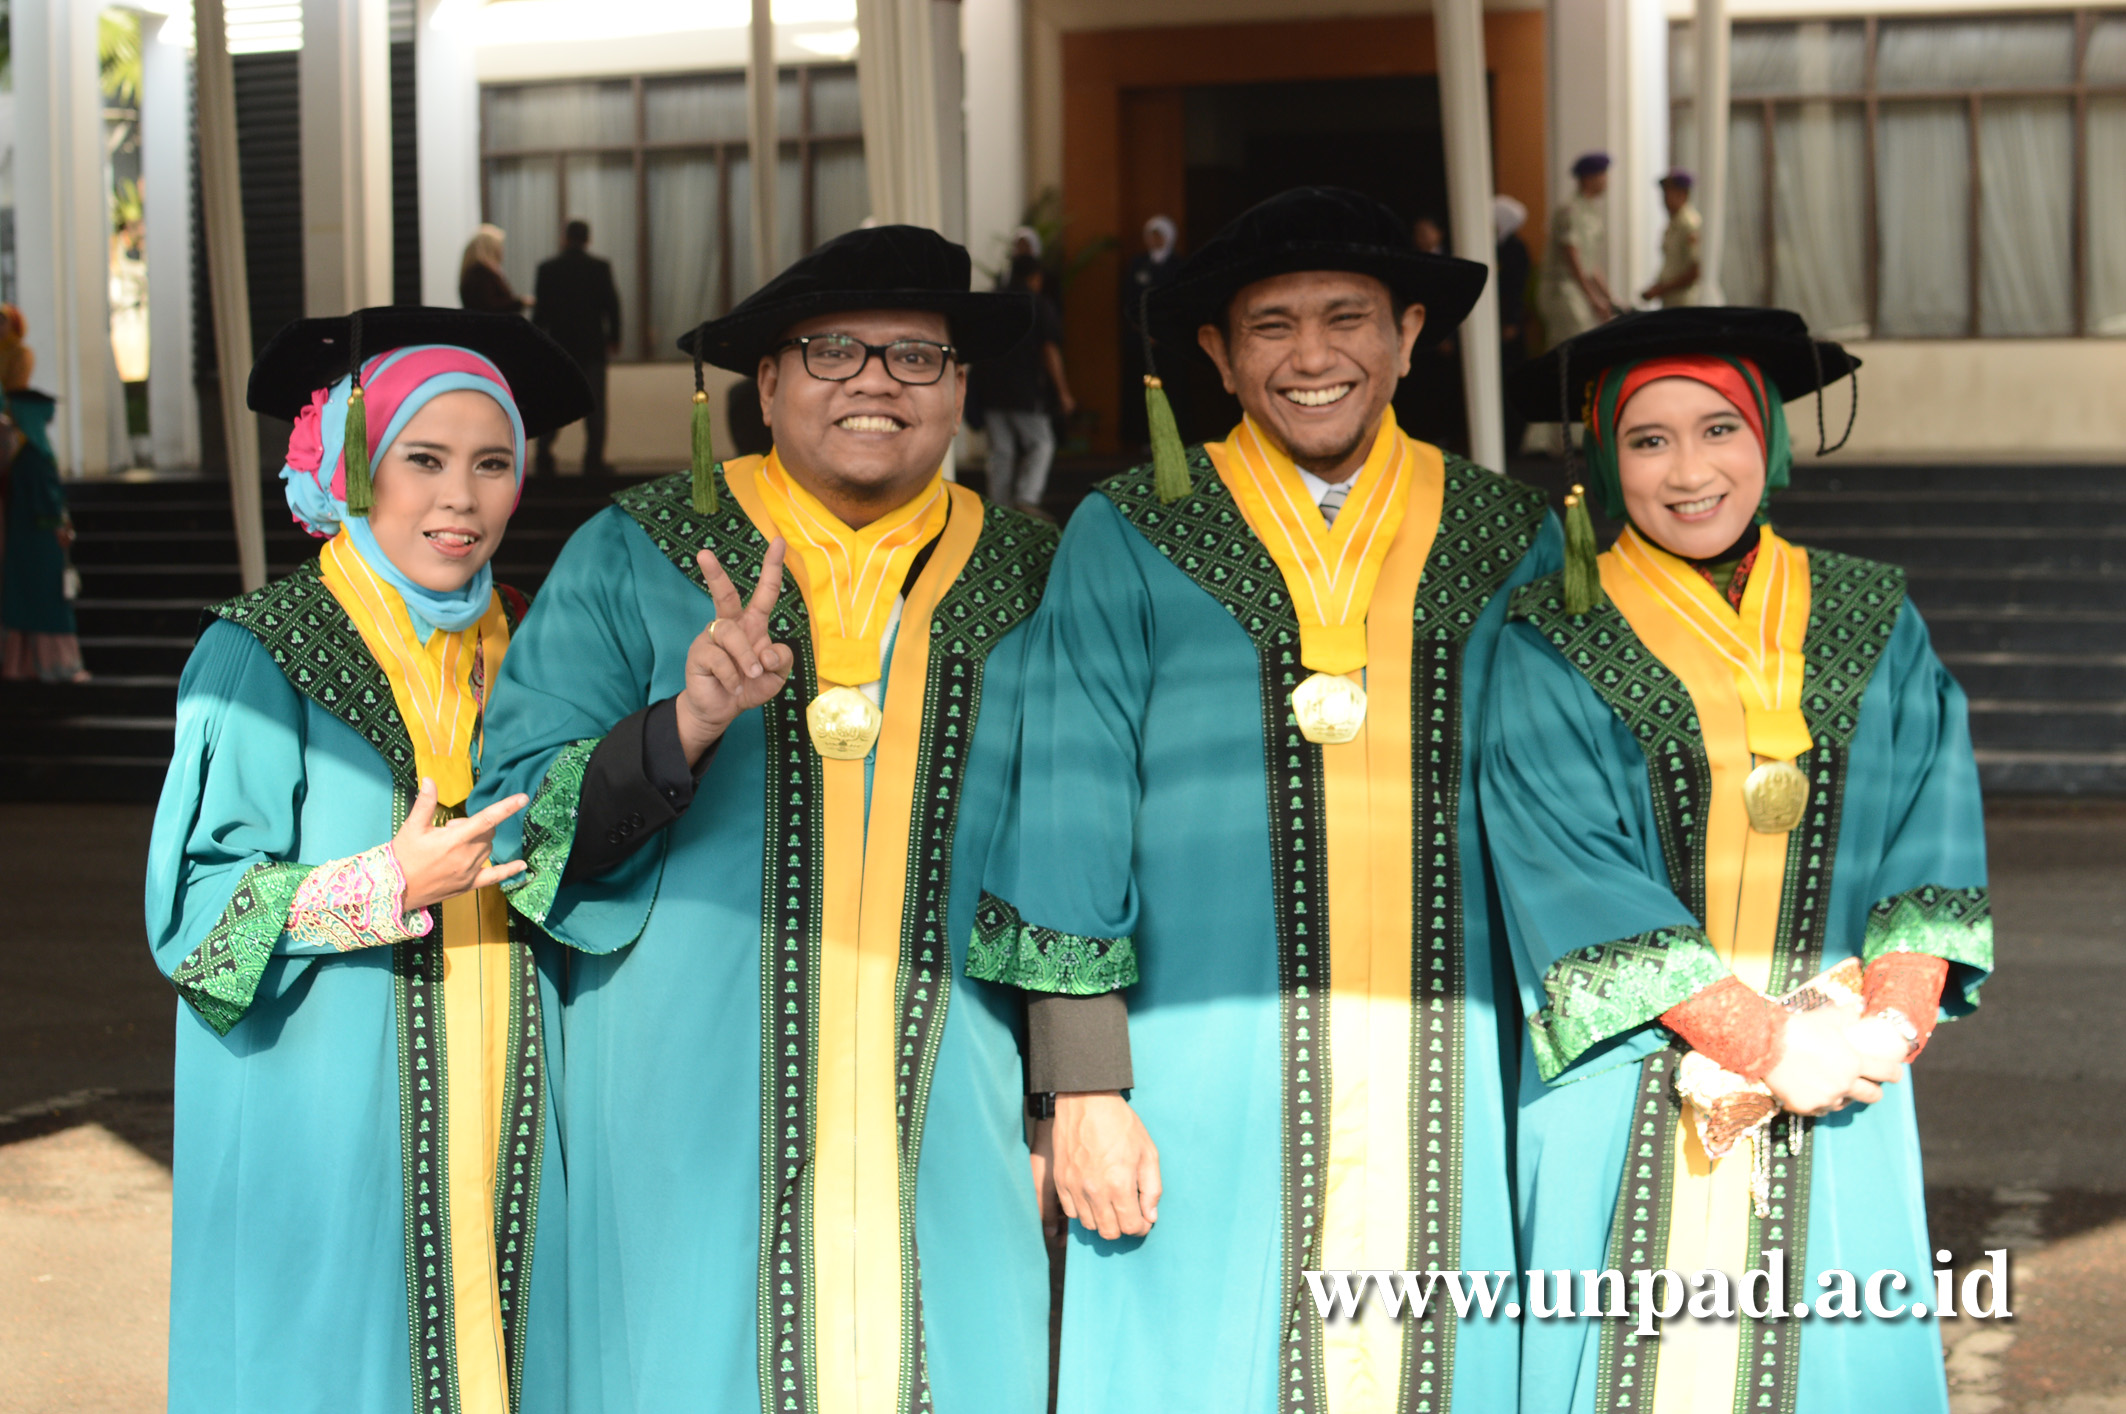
(1150, 851)
(1593, 785)
(303, 1251)
(676, 1302)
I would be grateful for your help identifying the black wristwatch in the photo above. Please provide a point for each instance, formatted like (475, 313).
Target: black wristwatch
(1041, 1105)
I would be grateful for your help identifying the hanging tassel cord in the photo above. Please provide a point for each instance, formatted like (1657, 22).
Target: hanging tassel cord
(1170, 478)
(703, 470)
(361, 492)
(1852, 410)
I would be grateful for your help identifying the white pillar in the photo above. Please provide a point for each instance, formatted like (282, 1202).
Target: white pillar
(996, 126)
(1465, 113)
(166, 170)
(345, 79)
(62, 224)
(446, 140)
(949, 102)
(222, 202)
(894, 69)
(763, 137)
(1710, 32)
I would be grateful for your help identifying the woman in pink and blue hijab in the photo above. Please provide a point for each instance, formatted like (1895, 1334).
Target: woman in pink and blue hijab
(362, 1089)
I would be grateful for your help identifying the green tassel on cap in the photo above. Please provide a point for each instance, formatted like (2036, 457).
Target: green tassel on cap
(706, 501)
(1583, 578)
(1170, 478)
(360, 494)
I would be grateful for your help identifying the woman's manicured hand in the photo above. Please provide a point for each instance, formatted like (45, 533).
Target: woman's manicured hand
(443, 861)
(1818, 1070)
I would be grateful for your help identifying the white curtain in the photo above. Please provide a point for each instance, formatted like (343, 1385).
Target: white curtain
(840, 197)
(2106, 166)
(2107, 216)
(686, 268)
(1742, 263)
(524, 199)
(1820, 210)
(696, 109)
(1923, 195)
(559, 115)
(2026, 217)
(899, 92)
(601, 190)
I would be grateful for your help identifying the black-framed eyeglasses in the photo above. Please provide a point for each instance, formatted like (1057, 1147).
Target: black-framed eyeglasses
(836, 358)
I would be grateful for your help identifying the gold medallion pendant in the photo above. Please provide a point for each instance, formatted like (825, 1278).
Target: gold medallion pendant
(1775, 795)
(843, 723)
(1330, 708)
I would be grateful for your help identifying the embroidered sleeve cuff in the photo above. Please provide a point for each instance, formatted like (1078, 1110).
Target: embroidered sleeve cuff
(1732, 1023)
(219, 977)
(550, 832)
(359, 902)
(1607, 990)
(1006, 948)
(1908, 984)
(1955, 925)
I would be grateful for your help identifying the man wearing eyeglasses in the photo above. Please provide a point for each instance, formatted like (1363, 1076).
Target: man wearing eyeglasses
(766, 713)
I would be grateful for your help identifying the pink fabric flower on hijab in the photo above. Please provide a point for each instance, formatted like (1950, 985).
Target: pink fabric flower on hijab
(306, 444)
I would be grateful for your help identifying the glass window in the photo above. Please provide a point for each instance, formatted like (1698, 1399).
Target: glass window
(659, 167)
(2106, 217)
(1820, 216)
(2026, 216)
(1923, 191)
(1957, 54)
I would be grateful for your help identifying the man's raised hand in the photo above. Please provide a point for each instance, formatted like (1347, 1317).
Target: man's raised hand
(734, 664)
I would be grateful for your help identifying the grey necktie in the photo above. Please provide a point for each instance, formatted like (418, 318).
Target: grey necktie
(1332, 500)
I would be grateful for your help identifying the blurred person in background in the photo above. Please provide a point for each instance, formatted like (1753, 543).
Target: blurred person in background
(481, 284)
(1507, 218)
(1677, 284)
(1575, 296)
(37, 637)
(1015, 393)
(576, 301)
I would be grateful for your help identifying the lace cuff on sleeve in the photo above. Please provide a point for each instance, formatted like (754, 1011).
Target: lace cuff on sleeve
(359, 902)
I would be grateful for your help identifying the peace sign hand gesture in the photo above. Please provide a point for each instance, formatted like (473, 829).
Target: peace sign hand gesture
(734, 665)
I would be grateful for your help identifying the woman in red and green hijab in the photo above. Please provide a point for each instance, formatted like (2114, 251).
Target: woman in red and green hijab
(1719, 767)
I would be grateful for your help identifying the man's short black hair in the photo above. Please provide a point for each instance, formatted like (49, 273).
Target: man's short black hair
(576, 233)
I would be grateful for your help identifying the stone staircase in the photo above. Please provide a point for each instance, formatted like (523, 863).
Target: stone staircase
(152, 555)
(2020, 572)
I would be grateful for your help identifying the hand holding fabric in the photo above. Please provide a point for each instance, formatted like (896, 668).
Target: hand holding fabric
(443, 861)
(1106, 1166)
(734, 665)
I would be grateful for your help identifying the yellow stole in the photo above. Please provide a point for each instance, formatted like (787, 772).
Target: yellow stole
(850, 577)
(432, 685)
(1761, 642)
(1369, 807)
(863, 876)
(1743, 672)
(1330, 571)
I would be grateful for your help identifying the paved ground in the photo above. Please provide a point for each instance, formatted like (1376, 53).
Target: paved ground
(2023, 1116)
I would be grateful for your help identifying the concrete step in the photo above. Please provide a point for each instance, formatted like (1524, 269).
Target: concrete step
(2060, 678)
(2006, 723)
(2015, 590)
(2026, 631)
(91, 735)
(2052, 772)
(1799, 514)
(110, 695)
(125, 779)
(99, 615)
(1964, 549)
(138, 653)
(2063, 480)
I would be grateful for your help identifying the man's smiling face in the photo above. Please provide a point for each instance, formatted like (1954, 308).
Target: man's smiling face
(1314, 357)
(868, 443)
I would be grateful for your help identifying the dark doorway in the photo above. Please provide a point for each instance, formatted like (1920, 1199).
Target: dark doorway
(1246, 142)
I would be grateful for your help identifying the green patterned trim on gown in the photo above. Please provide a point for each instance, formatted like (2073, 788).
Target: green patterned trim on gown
(996, 591)
(1613, 988)
(550, 832)
(220, 976)
(1952, 924)
(1006, 948)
